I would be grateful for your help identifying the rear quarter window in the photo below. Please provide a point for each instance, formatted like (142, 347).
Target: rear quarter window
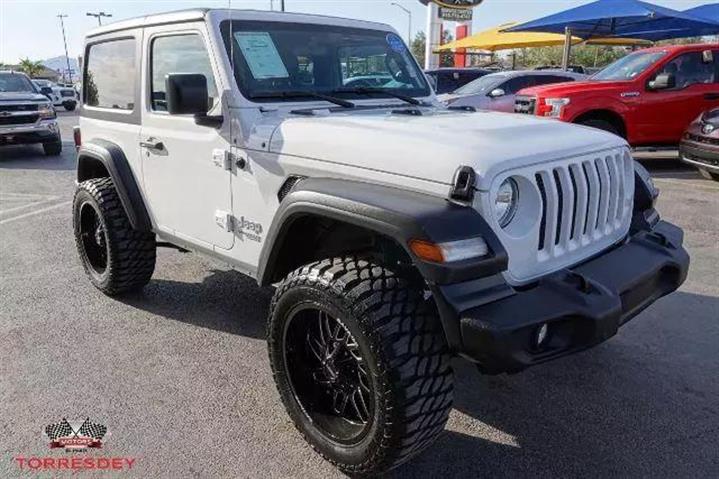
(111, 75)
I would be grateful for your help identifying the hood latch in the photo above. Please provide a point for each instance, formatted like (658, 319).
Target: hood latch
(462, 190)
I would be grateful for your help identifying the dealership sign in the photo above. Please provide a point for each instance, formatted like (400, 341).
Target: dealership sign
(455, 14)
(455, 10)
(459, 4)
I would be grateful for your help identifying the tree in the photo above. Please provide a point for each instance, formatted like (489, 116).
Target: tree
(417, 46)
(419, 43)
(585, 55)
(31, 68)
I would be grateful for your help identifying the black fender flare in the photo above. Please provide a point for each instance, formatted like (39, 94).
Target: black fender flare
(115, 162)
(399, 214)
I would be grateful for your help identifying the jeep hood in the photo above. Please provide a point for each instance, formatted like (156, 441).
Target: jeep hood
(432, 146)
(574, 88)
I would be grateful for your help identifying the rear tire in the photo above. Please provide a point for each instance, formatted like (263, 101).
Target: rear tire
(382, 354)
(53, 148)
(600, 125)
(116, 258)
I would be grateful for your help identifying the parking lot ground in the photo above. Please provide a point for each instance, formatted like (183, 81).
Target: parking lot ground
(179, 373)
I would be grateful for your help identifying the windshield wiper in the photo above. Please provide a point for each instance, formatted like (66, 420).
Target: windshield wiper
(383, 91)
(303, 94)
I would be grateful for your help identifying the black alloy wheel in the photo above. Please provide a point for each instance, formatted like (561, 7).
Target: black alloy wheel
(328, 374)
(94, 238)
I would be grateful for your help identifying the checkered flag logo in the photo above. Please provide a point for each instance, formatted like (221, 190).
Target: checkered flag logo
(92, 429)
(61, 429)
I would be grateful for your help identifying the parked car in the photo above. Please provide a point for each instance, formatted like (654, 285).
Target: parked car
(445, 80)
(26, 115)
(649, 97)
(497, 90)
(396, 233)
(65, 97)
(571, 68)
(700, 145)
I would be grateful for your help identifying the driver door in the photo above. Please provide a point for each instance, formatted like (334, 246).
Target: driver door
(189, 193)
(667, 113)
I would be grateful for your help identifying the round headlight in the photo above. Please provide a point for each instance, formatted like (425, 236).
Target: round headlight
(506, 201)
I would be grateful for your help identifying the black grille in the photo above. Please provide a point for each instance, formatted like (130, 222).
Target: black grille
(67, 93)
(18, 119)
(28, 107)
(525, 104)
(702, 139)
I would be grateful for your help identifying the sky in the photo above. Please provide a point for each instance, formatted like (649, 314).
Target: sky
(31, 28)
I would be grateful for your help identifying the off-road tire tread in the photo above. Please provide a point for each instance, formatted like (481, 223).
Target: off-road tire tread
(403, 329)
(132, 254)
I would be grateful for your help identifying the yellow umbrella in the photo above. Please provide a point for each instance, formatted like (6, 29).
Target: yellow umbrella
(495, 39)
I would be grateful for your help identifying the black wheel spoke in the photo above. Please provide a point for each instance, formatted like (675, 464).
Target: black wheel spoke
(335, 388)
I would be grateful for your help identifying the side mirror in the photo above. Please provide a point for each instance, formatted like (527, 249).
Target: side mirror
(663, 81)
(46, 90)
(187, 94)
(496, 93)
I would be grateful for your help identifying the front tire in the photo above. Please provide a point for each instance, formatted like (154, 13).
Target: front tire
(53, 148)
(361, 363)
(600, 125)
(69, 106)
(116, 258)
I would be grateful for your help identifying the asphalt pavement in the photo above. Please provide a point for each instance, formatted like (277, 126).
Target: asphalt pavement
(179, 373)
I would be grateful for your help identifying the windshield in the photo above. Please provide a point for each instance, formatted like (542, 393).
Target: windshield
(12, 82)
(629, 67)
(480, 86)
(272, 58)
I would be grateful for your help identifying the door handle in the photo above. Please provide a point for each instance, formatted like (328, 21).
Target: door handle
(711, 96)
(152, 144)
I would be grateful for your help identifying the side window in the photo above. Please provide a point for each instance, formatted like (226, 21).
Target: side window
(178, 54)
(512, 86)
(690, 69)
(549, 79)
(111, 74)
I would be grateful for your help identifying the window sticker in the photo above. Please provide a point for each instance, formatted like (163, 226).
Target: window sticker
(261, 54)
(395, 43)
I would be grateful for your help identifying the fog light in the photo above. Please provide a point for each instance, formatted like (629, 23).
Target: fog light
(542, 334)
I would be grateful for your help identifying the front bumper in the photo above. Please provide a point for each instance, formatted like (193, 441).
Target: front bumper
(582, 306)
(700, 155)
(43, 131)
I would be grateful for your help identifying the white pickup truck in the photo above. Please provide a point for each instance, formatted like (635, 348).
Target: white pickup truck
(63, 96)
(310, 153)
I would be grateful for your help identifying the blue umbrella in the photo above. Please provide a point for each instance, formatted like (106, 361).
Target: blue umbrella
(710, 11)
(621, 18)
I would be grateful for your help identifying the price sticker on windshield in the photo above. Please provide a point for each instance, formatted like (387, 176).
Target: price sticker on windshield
(261, 54)
(395, 43)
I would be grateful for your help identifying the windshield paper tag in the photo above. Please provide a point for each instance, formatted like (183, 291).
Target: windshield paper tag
(261, 54)
(395, 43)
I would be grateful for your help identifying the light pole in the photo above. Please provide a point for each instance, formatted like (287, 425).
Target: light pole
(99, 16)
(409, 14)
(64, 40)
(282, 5)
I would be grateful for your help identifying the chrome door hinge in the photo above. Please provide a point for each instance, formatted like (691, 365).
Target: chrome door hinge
(223, 159)
(224, 220)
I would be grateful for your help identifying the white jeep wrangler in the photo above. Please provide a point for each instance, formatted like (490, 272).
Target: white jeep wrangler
(310, 153)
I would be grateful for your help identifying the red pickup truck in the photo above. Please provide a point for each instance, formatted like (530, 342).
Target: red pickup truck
(649, 97)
